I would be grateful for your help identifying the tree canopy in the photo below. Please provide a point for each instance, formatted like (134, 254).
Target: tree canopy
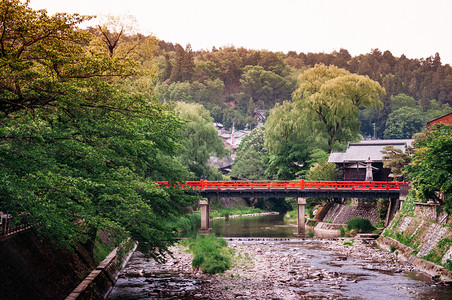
(199, 141)
(80, 146)
(431, 167)
(332, 98)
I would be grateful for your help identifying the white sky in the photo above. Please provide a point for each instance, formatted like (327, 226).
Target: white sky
(416, 28)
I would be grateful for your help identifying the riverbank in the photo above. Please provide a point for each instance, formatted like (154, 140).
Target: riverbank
(270, 213)
(272, 269)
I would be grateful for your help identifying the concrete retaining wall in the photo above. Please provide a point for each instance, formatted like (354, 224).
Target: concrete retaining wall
(423, 236)
(98, 284)
(407, 254)
(340, 214)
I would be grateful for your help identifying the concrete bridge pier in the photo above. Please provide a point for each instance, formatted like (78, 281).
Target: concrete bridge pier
(205, 216)
(300, 218)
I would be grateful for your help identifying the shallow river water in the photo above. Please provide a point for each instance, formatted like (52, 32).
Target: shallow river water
(279, 268)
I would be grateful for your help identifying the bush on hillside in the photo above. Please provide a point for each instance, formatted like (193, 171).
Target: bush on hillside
(360, 225)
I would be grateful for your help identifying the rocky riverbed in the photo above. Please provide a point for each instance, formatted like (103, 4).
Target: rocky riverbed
(272, 269)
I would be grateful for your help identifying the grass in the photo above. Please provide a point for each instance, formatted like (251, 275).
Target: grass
(230, 211)
(101, 251)
(210, 254)
(188, 224)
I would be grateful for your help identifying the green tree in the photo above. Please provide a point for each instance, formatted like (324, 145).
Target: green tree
(248, 163)
(403, 100)
(332, 98)
(200, 140)
(78, 151)
(266, 86)
(431, 167)
(323, 171)
(288, 140)
(396, 159)
(404, 123)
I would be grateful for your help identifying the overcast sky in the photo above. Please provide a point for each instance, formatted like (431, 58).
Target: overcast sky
(416, 28)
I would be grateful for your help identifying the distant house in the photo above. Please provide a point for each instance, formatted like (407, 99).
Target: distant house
(365, 157)
(446, 119)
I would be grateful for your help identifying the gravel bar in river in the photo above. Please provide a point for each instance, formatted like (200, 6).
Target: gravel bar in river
(272, 269)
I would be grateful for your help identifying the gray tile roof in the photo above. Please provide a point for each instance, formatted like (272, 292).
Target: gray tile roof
(364, 150)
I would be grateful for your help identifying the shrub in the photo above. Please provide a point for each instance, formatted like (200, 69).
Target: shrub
(392, 248)
(210, 253)
(448, 264)
(360, 224)
(341, 231)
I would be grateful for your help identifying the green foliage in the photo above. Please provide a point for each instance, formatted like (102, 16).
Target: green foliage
(448, 265)
(360, 224)
(392, 248)
(431, 166)
(323, 171)
(396, 159)
(200, 140)
(231, 211)
(349, 243)
(331, 97)
(403, 100)
(266, 86)
(404, 123)
(342, 232)
(187, 224)
(408, 205)
(406, 240)
(210, 253)
(382, 207)
(248, 163)
(79, 151)
(437, 253)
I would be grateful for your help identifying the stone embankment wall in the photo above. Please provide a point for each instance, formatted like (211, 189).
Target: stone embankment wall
(32, 269)
(421, 239)
(340, 214)
(101, 280)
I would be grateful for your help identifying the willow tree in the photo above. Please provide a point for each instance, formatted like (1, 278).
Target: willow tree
(200, 141)
(331, 98)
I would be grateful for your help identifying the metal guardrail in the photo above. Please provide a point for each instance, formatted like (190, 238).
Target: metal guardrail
(286, 185)
(9, 227)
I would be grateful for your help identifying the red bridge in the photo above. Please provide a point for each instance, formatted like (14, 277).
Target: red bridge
(395, 191)
(296, 188)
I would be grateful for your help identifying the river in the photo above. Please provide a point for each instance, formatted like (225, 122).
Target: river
(279, 267)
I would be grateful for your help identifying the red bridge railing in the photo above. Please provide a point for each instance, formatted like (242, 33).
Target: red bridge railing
(275, 184)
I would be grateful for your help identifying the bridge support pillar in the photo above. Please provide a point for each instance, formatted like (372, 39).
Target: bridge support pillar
(394, 206)
(205, 216)
(300, 218)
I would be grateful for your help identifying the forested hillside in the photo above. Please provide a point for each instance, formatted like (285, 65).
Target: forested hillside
(231, 82)
(91, 118)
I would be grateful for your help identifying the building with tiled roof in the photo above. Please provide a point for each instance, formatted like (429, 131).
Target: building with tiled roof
(366, 155)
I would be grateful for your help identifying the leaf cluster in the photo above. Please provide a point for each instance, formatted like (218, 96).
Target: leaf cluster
(431, 167)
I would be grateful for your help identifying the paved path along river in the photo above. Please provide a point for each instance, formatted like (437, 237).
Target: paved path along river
(282, 269)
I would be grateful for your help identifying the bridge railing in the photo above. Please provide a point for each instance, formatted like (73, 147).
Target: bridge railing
(281, 184)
